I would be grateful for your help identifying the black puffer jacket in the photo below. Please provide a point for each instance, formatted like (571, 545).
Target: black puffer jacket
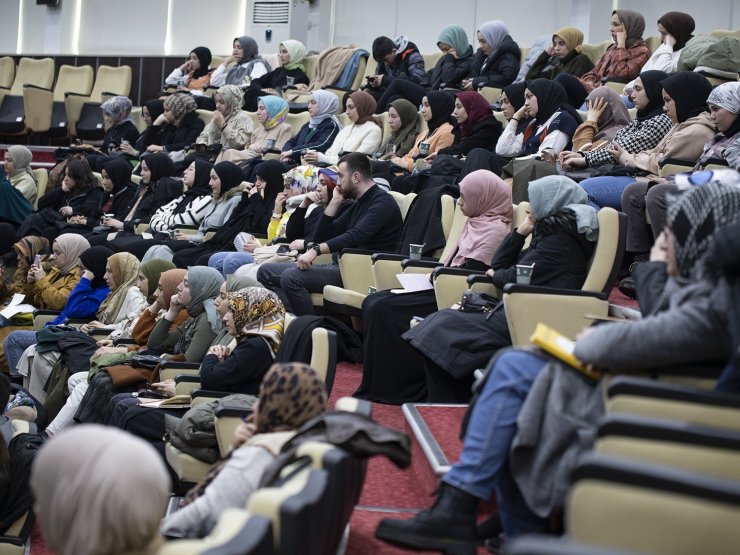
(501, 67)
(175, 137)
(484, 134)
(449, 71)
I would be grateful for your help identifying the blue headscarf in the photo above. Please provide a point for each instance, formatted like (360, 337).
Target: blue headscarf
(277, 110)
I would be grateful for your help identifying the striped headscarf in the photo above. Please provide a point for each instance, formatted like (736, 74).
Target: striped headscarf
(258, 311)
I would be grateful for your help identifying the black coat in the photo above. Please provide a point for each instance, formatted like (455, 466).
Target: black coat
(175, 137)
(126, 131)
(501, 67)
(159, 194)
(449, 72)
(484, 134)
(83, 204)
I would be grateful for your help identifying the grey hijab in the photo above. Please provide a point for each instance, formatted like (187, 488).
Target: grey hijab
(205, 283)
(554, 193)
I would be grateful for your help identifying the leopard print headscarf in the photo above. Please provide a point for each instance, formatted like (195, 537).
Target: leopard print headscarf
(258, 311)
(291, 394)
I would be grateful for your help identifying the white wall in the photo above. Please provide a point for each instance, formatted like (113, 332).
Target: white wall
(141, 26)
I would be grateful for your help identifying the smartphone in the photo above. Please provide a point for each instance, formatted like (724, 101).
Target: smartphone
(37, 261)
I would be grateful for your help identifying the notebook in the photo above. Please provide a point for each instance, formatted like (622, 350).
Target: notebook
(559, 346)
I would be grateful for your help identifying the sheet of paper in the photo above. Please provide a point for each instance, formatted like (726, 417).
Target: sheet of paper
(12, 310)
(413, 282)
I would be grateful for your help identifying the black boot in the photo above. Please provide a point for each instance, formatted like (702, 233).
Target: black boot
(448, 526)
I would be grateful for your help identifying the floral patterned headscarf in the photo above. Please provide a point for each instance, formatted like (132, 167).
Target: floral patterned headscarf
(304, 178)
(258, 311)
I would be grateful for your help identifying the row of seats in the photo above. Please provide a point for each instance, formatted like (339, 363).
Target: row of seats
(28, 104)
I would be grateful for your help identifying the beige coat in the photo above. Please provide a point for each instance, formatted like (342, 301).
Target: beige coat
(280, 134)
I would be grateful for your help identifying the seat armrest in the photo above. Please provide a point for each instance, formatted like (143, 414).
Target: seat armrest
(202, 393)
(520, 288)
(123, 342)
(30, 86)
(479, 277)
(43, 312)
(378, 255)
(357, 251)
(676, 162)
(224, 412)
(629, 385)
(187, 378)
(446, 270)
(70, 93)
(168, 364)
(408, 263)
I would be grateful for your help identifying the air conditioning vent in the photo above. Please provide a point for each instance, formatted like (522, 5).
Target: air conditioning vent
(271, 13)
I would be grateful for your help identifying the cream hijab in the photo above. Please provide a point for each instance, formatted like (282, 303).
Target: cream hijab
(99, 491)
(125, 269)
(72, 245)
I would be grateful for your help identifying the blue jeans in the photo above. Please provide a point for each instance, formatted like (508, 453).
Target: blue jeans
(15, 344)
(606, 190)
(229, 262)
(483, 466)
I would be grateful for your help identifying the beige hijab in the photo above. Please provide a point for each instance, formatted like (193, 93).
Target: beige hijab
(99, 491)
(72, 245)
(125, 269)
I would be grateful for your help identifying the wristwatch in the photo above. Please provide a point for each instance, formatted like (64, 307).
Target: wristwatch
(317, 248)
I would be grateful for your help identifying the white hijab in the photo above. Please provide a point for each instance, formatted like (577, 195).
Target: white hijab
(328, 104)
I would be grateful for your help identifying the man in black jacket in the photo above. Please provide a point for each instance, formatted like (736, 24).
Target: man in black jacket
(372, 223)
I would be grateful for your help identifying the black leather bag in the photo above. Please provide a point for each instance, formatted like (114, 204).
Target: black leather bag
(145, 361)
(477, 301)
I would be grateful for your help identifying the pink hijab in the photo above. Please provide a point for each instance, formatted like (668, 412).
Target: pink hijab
(488, 201)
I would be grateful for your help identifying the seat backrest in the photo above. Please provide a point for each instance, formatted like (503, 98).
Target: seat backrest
(297, 121)
(115, 80)
(42, 180)
(453, 225)
(204, 115)
(73, 79)
(7, 72)
(430, 60)
(491, 94)
(324, 355)
(296, 508)
(344, 119)
(607, 257)
(596, 51)
(309, 62)
(33, 72)
(138, 119)
(403, 201)
(255, 120)
(382, 121)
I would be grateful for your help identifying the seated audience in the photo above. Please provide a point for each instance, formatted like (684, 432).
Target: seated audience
(451, 69)
(496, 62)
(231, 127)
(624, 59)
(476, 127)
(373, 223)
(606, 117)
(685, 97)
(290, 395)
(454, 343)
(486, 200)
(99, 490)
(194, 75)
(248, 65)
(403, 120)
(396, 59)
(574, 90)
(565, 55)
(18, 170)
(119, 130)
(681, 325)
(150, 112)
(363, 135)
(25, 252)
(290, 73)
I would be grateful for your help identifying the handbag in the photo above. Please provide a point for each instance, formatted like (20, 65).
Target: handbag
(477, 301)
(150, 362)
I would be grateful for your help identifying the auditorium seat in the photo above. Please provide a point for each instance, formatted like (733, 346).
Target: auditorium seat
(30, 72)
(83, 111)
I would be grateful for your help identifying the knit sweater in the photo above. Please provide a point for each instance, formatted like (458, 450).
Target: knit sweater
(363, 138)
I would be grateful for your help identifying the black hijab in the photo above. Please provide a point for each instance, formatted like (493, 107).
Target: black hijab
(654, 90)
(689, 90)
(204, 57)
(550, 96)
(201, 185)
(95, 259)
(442, 104)
(253, 210)
(680, 25)
(575, 90)
(160, 165)
(515, 94)
(119, 172)
(229, 174)
(155, 108)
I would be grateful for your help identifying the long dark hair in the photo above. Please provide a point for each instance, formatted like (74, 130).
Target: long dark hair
(80, 172)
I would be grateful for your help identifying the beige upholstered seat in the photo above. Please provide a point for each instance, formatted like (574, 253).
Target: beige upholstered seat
(39, 73)
(45, 108)
(109, 81)
(7, 72)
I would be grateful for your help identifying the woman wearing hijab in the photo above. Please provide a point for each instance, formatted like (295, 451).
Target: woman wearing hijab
(50, 291)
(290, 395)
(363, 135)
(249, 65)
(189, 209)
(565, 55)
(18, 169)
(231, 127)
(25, 251)
(685, 95)
(319, 133)
(496, 64)
(119, 127)
(291, 72)
(150, 112)
(155, 189)
(455, 65)
(476, 126)
(82, 301)
(724, 107)
(177, 127)
(624, 59)
(675, 29)
(84, 483)
(574, 90)
(195, 74)
(554, 122)
(564, 230)
(148, 284)
(271, 135)
(251, 215)
(403, 119)
(683, 327)
(606, 116)
(486, 200)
